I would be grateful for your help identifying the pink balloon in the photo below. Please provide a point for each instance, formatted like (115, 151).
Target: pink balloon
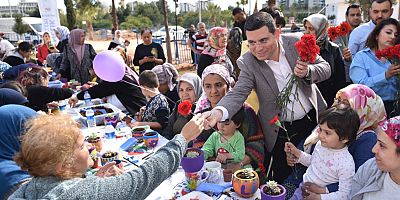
(109, 66)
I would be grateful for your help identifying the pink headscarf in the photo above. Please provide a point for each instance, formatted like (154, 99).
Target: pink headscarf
(214, 48)
(76, 46)
(392, 129)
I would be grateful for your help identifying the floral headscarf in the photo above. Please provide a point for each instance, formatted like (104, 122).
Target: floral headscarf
(369, 107)
(392, 129)
(220, 70)
(214, 48)
(63, 31)
(166, 74)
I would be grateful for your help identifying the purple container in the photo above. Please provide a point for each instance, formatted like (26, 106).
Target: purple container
(269, 197)
(191, 165)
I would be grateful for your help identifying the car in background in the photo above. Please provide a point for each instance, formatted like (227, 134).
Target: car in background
(161, 33)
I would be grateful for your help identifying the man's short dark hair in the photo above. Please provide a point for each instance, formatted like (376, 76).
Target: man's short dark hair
(381, 1)
(25, 46)
(343, 119)
(238, 117)
(236, 11)
(149, 79)
(258, 20)
(351, 7)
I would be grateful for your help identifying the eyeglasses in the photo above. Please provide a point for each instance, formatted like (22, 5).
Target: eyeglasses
(262, 42)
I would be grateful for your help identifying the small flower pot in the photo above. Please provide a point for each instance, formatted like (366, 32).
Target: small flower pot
(138, 133)
(193, 164)
(245, 186)
(150, 139)
(105, 158)
(96, 142)
(265, 196)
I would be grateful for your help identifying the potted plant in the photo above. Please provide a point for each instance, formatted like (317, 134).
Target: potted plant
(245, 182)
(193, 160)
(273, 191)
(93, 156)
(108, 156)
(96, 141)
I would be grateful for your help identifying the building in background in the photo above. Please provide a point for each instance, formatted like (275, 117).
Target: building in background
(187, 7)
(18, 7)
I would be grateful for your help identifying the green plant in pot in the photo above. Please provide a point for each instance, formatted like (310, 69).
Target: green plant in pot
(273, 191)
(108, 156)
(96, 141)
(245, 182)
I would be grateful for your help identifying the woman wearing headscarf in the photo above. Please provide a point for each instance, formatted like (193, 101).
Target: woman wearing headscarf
(317, 25)
(122, 94)
(189, 88)
(215, 51)
(78, 58)
(10, 96)
(117, 41)
(62, 33)
(371, 110)
(12, 119)
(167, 76)
(216, 82)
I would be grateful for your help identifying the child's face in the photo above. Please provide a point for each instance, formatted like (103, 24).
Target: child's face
(329, 138)
(227, 128)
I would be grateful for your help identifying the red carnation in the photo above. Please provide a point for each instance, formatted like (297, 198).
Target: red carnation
(307, 48)
(274, 120)
(185, 107)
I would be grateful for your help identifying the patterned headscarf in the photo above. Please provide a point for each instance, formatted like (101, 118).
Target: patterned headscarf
(218, 69)
(214, 48)
(320, 24)
(167, 74)
(63, 31)
(368, 105)
(392, 129)
(195, 81)
(75, 44)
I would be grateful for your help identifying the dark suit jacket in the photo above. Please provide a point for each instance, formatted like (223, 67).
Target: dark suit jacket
(256, 74)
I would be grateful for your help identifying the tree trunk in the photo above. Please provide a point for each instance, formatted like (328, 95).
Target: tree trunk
(89, 25)
(71, 17)
(167, 38)
(114, 18)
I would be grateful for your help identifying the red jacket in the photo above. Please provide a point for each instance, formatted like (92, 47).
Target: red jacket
(43, 51)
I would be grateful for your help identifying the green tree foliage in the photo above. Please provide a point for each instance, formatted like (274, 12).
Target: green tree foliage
(138, 22)
(149, 10)
(86, 11)
(123, 12)
(19, 27)
(63, 18)
(71, 16)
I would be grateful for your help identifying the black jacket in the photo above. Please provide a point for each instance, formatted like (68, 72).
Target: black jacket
(39, 96)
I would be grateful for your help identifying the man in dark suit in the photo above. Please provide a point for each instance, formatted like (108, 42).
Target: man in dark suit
(271, 60)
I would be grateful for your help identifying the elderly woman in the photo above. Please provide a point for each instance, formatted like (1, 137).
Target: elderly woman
(317, 25)
(56, 156)
(189, 88)
(149, 54)
(379, 177)
(78, 58)
(379, 75)
(12, 119)
(167, 76)
(215, 51)
(35, 80)
(216, 82)
(62, 34)
(371, 110)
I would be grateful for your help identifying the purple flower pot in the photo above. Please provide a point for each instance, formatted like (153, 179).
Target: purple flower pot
(264, 196)
(190, 165)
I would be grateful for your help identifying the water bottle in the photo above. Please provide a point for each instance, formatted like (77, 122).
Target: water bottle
(62, 104)
(109, 134)
(87, 98)
(91, 122)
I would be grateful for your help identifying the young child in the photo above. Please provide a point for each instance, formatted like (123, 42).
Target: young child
(156, 112)
(227, 143)
(331, 161)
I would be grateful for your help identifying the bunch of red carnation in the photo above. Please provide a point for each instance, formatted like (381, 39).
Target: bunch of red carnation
(391, 53)
(185, 108)
(342, 32)
(307, 48)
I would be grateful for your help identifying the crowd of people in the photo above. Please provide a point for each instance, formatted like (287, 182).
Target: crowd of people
(337, 137)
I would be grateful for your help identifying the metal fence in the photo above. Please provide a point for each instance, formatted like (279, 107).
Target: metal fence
(181, 53)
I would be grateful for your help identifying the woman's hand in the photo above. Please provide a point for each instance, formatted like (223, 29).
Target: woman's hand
(110, 169)
(193, 128)
(393, 70)
(72, 101)
(346, 54)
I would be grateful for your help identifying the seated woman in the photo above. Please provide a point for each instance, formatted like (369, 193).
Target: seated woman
(216, 82)
(379, 177)
(20, 55)
(379, 75)
(371, 110)
(12, 119)
(35, 80)
(125, 95)
(189, 88)
(56, 156)
(167, 76)
(149, 54)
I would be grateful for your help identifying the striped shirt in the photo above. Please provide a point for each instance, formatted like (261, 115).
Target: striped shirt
(200, 40)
